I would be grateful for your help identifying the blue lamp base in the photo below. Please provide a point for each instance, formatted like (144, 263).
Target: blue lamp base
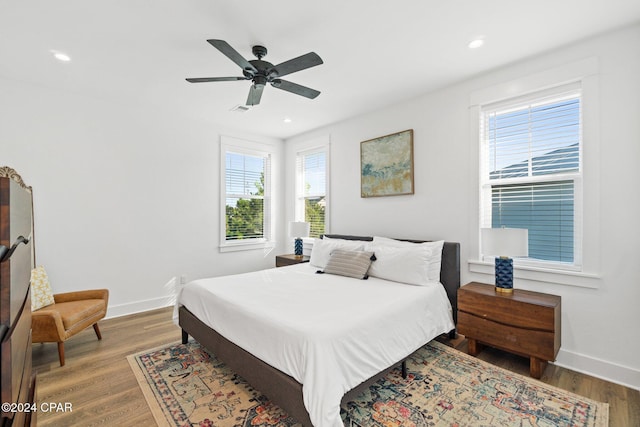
(504, 275)
(298, 247)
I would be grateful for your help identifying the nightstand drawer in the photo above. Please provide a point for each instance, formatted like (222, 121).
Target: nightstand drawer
(517, 310)
(526, 342)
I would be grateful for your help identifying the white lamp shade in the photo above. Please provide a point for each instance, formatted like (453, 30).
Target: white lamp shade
(509, 242)
(299, 229)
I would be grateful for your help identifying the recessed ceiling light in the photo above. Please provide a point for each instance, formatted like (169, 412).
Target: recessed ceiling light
(474, 44)
(287, 120)
(60, 56)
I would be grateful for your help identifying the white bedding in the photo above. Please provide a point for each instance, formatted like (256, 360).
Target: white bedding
(328, 332)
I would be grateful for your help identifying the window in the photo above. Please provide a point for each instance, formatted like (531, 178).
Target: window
(311, 189)
(246, 191)
(531, 171)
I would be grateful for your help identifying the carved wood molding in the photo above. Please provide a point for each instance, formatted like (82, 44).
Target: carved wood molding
(7, 172)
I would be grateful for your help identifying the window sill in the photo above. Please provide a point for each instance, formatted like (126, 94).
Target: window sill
(539, 274)
(246, 246)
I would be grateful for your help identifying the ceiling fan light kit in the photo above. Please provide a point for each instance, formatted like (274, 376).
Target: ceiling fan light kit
(262, 72)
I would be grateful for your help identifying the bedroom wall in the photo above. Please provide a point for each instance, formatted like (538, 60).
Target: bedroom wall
(600, 318)
(125, 198)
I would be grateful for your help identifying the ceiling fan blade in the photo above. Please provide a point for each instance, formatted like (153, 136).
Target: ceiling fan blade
(214, 79)
(255, 93)
(295, 88)
(232, 54)
(303, 62)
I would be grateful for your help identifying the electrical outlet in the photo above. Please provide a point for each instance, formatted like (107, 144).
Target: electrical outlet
(183, 279)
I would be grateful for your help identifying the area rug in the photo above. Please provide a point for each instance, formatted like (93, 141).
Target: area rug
(185, 385)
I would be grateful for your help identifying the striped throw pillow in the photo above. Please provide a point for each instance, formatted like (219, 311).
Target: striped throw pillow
(349, 263)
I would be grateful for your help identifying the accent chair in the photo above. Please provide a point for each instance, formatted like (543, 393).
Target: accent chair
(71, 313)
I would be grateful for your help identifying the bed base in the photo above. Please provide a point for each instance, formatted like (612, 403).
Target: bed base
(281, 388)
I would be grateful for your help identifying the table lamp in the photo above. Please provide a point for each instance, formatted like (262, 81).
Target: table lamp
(504, 243)
(298, 230)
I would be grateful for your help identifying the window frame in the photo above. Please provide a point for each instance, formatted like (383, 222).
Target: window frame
(510, 85)
(254, 149)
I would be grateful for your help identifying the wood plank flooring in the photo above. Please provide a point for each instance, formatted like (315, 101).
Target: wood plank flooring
(99, 384)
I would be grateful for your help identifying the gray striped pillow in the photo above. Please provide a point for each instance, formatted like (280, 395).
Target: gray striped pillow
(349, 263)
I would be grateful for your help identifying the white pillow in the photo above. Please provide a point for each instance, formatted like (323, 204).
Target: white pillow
(402, 244)
(406, 262)
(339, 240)
(321, 251)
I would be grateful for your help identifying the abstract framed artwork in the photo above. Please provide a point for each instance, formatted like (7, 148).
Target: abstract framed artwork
(386, 165)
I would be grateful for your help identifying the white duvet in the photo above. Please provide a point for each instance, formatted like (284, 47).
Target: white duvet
(328, 332)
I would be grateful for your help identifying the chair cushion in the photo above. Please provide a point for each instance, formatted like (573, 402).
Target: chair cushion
(79, 314)
(41, 293)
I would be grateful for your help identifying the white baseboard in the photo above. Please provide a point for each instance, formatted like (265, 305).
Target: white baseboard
(623, 375)
(139, 306)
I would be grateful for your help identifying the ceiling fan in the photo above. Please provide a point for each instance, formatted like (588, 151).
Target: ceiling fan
(262, 72)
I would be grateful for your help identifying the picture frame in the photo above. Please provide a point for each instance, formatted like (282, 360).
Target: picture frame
(386, 165)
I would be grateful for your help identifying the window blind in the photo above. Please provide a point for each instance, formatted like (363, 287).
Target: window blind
(546, 209)
(532, 169)
(534, 139)
(247, 180)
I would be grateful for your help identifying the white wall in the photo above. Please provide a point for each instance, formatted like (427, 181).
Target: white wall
(601, 324)
(125, 199)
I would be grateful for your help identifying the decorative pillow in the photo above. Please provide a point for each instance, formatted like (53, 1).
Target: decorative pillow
(41, 293)
(349, 263)
(321, 251)
(434, 257)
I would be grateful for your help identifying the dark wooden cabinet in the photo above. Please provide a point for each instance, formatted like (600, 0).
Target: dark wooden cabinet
(17, 382)
(290, 259)
(523, 322)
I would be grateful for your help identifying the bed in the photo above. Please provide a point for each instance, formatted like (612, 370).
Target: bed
(308, 365)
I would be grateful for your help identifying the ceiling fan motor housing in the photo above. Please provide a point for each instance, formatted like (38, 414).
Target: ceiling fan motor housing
(264, 74)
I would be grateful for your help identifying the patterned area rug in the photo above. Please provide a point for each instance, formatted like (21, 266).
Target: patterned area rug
(187, 386)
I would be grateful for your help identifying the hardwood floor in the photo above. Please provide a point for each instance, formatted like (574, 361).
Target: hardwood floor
(96, 378)
(102, 390)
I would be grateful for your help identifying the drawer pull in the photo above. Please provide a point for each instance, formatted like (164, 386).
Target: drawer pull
(6, 253)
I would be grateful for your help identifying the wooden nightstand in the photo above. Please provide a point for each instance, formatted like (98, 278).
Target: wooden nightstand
(524, 322)
(290, 259)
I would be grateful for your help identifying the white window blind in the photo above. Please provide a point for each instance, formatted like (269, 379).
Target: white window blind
(247, 190)
(311, 189)
(531, 171)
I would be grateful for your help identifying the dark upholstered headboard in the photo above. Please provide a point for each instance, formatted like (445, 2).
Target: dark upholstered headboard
(449, 270)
